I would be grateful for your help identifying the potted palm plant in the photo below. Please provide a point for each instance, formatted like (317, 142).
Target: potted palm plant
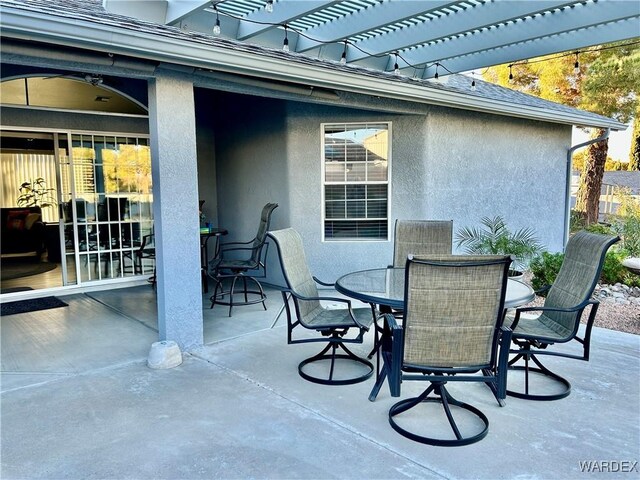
(495, 238)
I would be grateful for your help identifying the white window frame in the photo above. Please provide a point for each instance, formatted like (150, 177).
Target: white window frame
(324, 183)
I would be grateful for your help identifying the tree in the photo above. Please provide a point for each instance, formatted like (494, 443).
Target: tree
(634, 154)
(608, 83)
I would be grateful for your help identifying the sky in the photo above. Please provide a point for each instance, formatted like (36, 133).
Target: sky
(619, 142)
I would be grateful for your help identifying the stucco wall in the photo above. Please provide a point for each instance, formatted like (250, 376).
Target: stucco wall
(446, 164)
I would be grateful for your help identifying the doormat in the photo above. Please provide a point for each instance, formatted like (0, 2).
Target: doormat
(31, 305)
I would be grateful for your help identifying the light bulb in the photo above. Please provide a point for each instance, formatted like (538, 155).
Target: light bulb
(285, 45)
(216, 28)
(269, 6)
(343, 59)
(473, 86)
(576, 68)
(396, 69)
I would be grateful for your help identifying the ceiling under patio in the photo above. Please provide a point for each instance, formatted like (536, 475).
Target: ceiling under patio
(419, 37)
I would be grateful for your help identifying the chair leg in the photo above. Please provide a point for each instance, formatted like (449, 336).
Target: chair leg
(333, 357)
(219, 293)
(539, 369)
(443, 397)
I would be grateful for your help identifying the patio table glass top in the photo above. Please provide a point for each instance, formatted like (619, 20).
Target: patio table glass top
(385, 286)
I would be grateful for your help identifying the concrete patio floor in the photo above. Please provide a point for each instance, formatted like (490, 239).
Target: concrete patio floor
(78, 401)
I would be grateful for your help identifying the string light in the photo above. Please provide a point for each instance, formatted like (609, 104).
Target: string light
(285, 44)
(436, 75)
(269, 6)
(473, 85)
(576, 66)
(510, 74)
(343, 59)
(396, 68)
(216, 27)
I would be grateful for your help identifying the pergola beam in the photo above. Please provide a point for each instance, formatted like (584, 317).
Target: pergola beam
(480, 16)
(285, 12)
(571, 40)
(367, 20)
(597, 15)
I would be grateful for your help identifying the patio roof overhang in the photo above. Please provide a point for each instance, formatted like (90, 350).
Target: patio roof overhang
(459, 35)
(121, 36)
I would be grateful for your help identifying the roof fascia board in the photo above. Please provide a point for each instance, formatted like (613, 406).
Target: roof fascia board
(201, 55)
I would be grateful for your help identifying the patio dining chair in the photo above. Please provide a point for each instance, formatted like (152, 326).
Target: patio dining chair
(417, 238)
(451, 331)
(333, 324)
(421, 237)
(227, 264)
(558, 320)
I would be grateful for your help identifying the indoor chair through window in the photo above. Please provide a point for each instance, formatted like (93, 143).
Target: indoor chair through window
(451, 332)
(333, 324)
(230, 264)
(559, 319)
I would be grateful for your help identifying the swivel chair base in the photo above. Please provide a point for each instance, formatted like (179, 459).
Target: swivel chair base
(445, 399)
(333, 356)
(219, 293)
(542, 371)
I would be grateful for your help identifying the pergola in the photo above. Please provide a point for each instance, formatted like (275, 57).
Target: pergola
(414, 37)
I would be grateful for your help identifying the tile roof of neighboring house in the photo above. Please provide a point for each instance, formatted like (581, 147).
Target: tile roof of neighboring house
(628, 179)
(455, 88)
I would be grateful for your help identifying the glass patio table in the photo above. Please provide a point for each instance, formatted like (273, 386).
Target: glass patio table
(385, 287)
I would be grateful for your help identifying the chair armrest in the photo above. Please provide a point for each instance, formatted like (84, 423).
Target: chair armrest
(576, 308)
(226, 244)
(334, 299)
(323, 283)
(542, 290)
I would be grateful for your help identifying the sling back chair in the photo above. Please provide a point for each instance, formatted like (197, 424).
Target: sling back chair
(332, 324)
(421, 237)
(559, 318)
(451, 331)
(228, 265)
(417, 238)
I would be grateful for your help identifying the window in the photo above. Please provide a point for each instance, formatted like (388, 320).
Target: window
(356, 181)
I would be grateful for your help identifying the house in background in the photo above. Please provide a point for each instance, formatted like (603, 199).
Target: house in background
(345, 150)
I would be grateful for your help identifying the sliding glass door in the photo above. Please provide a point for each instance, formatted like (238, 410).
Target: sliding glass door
(93, 197)
(107, 199)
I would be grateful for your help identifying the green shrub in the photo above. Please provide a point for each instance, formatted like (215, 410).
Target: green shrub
(545, 269)
(612, 270)
(627, 223)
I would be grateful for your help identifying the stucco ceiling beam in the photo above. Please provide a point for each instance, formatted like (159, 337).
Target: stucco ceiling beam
(574, 40)
(483, 15)
(369, 19)
(519, 32)
(285, 12)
